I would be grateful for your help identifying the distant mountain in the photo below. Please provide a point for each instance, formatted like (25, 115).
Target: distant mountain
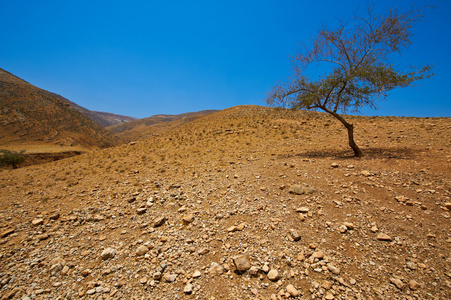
(31, 115)
(104, 119)
(142, 128)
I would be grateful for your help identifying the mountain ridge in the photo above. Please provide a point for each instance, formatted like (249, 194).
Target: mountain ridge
(30, 114)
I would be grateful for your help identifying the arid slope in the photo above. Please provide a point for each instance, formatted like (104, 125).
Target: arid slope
(29, 115)
(275, 193)
(104, 119)
(145, 128)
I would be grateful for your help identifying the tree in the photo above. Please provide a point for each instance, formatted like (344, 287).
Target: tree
(356, 65)
(12, 158)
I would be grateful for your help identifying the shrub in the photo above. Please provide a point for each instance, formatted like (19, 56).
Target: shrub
(12, 158)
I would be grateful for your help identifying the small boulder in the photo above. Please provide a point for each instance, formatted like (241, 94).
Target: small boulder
(159, 221)
(37, 222)
(188, 289)
(292, 291)
(398, 283)
(273, 275)
(108, 253)
(295, 234)
(298, 189)
(141, 211)
(333, 269)
(141, 250)
(188, 219)
(242, 262)
(170, 277)
(384, 237)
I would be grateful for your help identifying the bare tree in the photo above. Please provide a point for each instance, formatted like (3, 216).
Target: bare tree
(356, 62)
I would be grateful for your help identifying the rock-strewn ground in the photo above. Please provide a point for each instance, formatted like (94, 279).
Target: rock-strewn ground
(248, 203)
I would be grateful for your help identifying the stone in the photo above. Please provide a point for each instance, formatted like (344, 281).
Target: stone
(366, 173)
(349, 225)
(6, 232)
(253, 271)
(141, 250)
(232, 228)
(398, 283)
(318, 255)
(141, 211)
(55, 268)
(108, 253)
(91, 292)
(55, 216)
(241, 226)
(414, 285)
(188, 289)
(273, 275)
(65, 270)
(295, 234)
(215, 269)
(342, 229)
(203, 251)
(333, 269)
(242, 262)
(42, 237)
(37, 222)
(329, 296)
(157, 275)
(447, 205)
(159, 221)
(412, 265)
(302, 209)
(187, 219)
(298, 189)
(292, 291)
(170, 277)
(143, 280)
(196, 274)
(384, 237)
(334, 165)
(401, 199)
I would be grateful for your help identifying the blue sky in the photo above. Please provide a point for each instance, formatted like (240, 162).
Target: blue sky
(141, 58)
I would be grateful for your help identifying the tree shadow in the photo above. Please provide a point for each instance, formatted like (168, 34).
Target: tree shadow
(368, 153)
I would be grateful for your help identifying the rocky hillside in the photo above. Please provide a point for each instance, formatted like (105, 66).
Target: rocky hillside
(31, 115)
(246, 203)
(142, 129)
(104, 119)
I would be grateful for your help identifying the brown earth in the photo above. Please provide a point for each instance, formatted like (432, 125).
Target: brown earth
(147, 127)
(103, 119)
(371, 228)
(31, 115)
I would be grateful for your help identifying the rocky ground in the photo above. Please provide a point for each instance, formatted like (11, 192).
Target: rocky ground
(248, 203)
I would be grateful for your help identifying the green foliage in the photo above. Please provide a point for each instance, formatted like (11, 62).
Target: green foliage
(11, 158)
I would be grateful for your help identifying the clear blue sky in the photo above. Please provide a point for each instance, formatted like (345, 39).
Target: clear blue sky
(141, 58)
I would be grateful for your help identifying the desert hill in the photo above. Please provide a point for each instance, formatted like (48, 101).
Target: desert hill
(246, 203)
(104, 119)
(30, 115)
(144, 128)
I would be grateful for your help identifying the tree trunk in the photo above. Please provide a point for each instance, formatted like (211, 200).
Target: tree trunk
(352, 144)
(350, 128)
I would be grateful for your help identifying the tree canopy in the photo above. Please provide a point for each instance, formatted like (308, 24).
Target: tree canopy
(357, 65)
